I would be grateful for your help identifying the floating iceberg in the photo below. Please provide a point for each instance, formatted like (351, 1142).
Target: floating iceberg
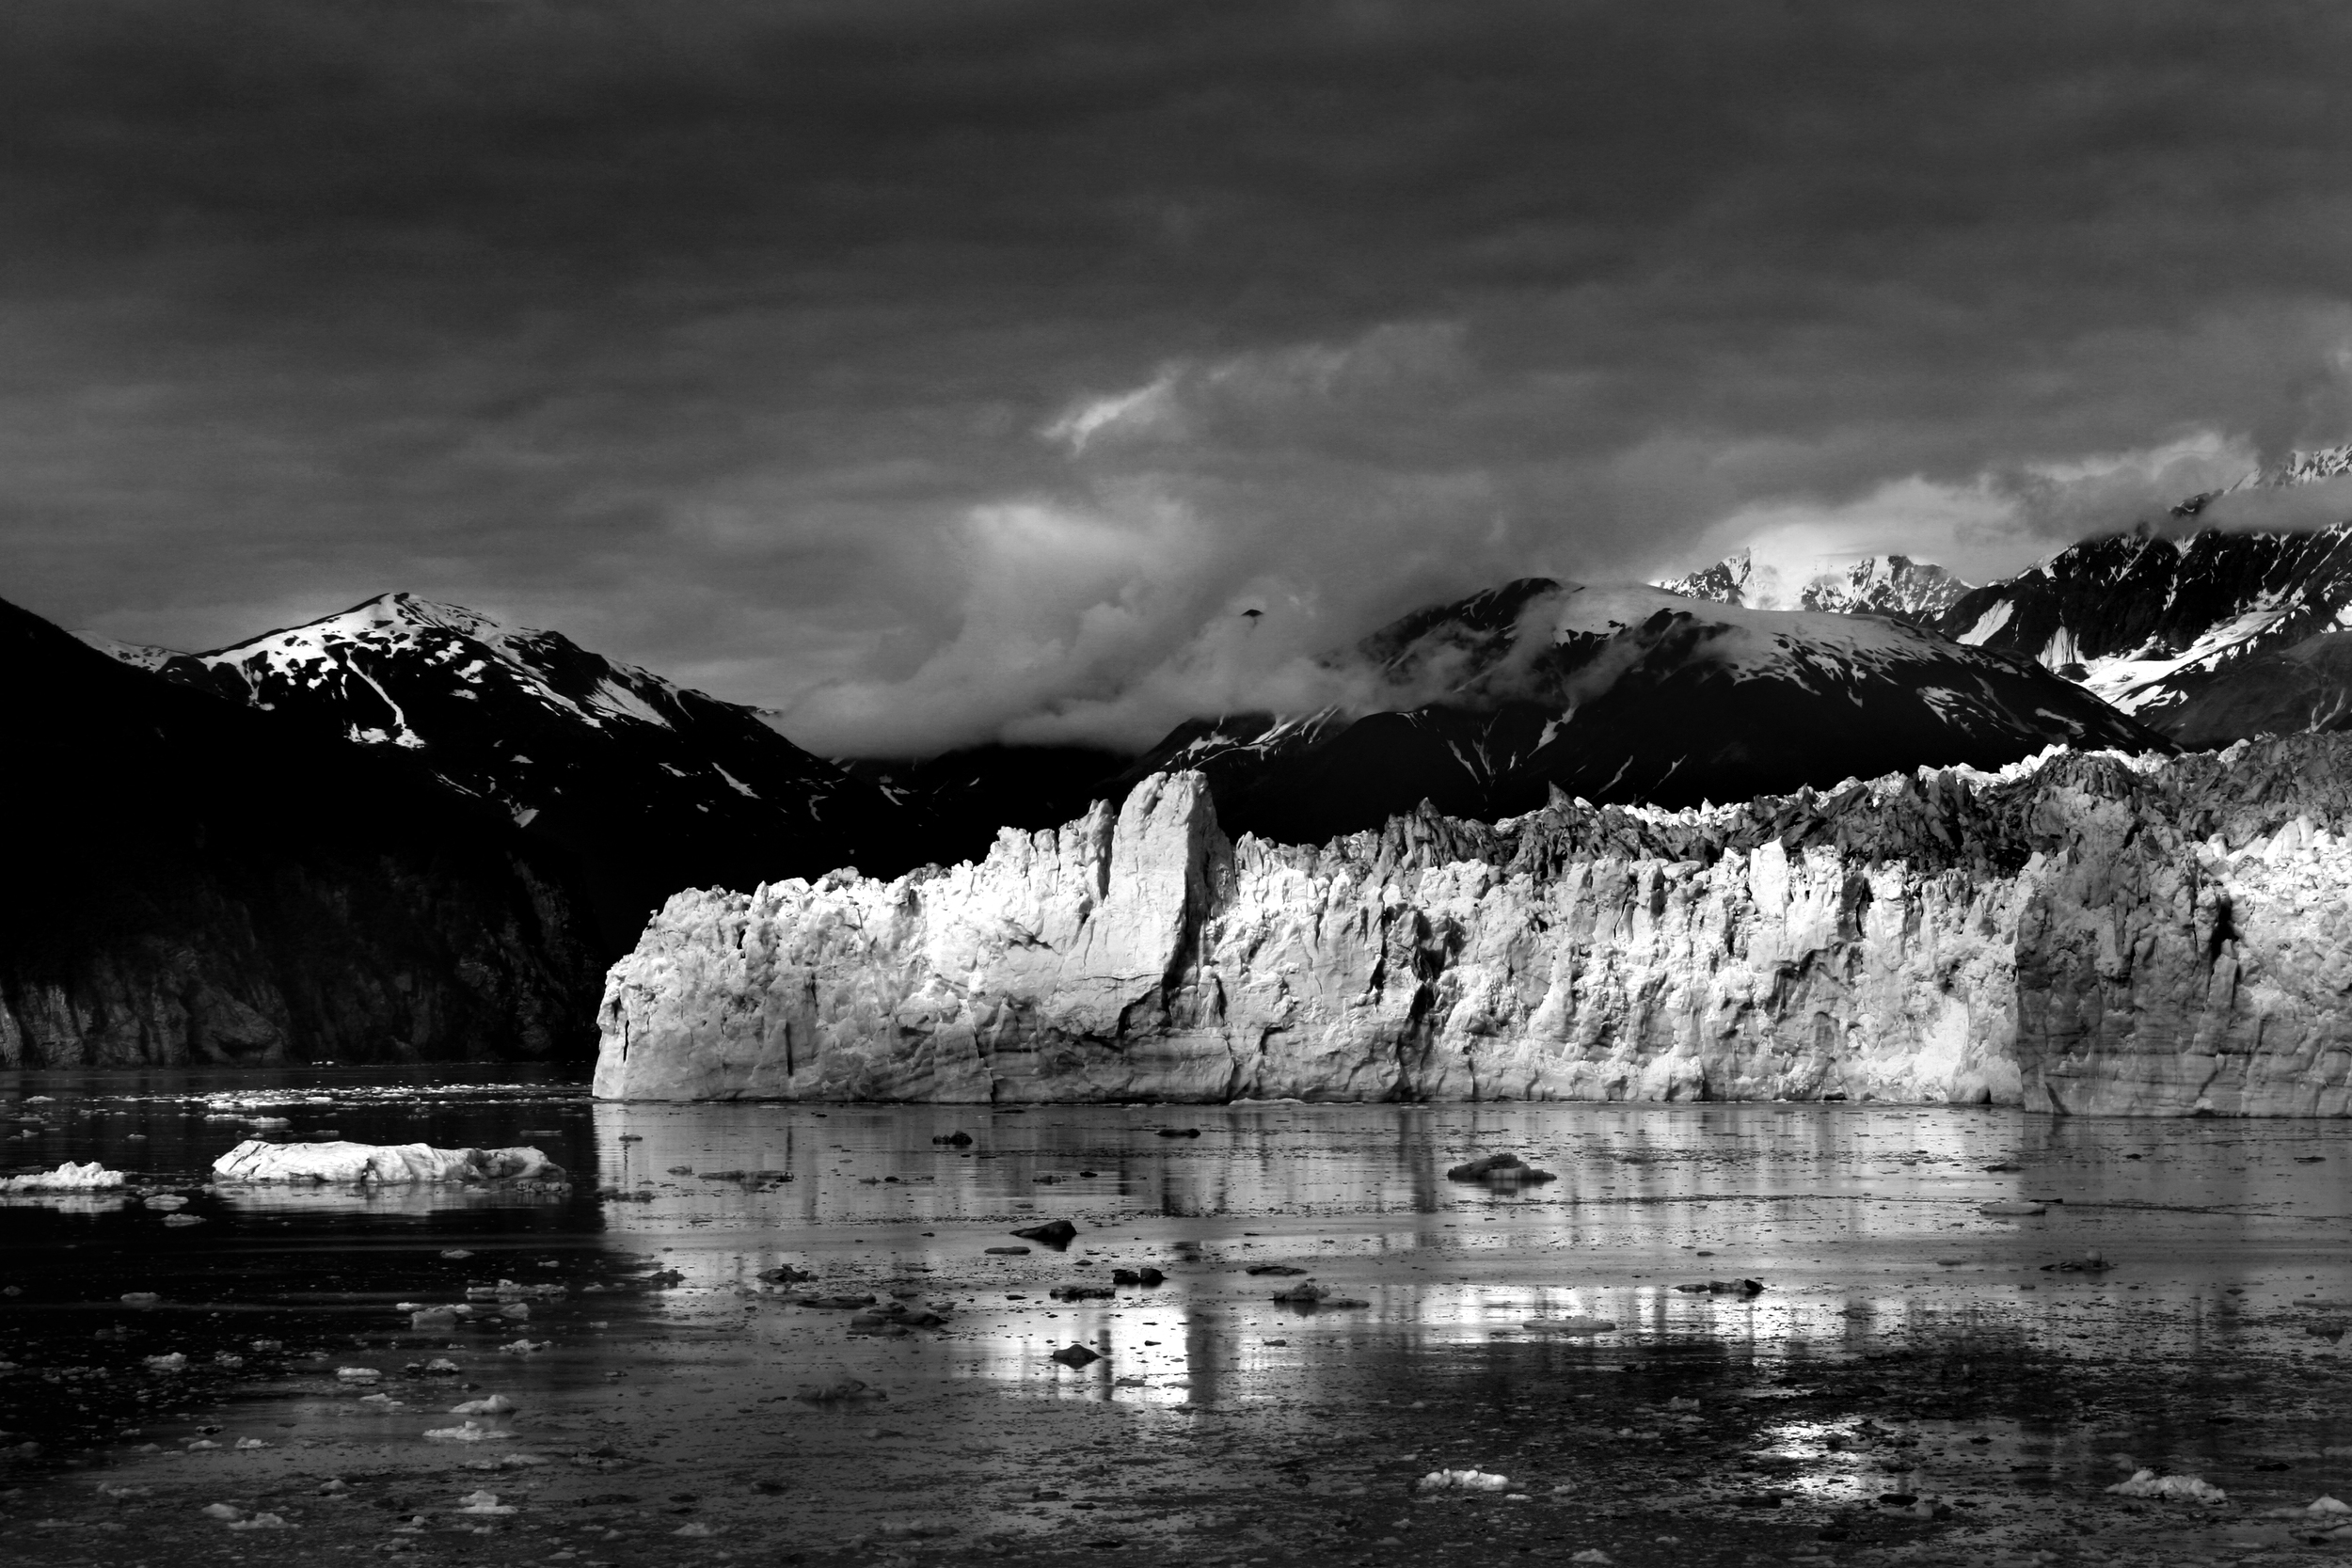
(68, 1178)
(2147, 1483)
(380, 1163)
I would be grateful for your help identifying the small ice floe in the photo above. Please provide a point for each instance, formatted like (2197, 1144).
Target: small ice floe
(357, 1374)
(526, 1347)
(175, 1361)
(2318, 1508)
(163, 1200)
(483, 1503)
(260, 1521)
(2190, 1489)
(1464, 1481)
(247, 1444)
(67, 1178)
(381, 1163)
(467, 1432)
(223, 1511)
(493, 1405)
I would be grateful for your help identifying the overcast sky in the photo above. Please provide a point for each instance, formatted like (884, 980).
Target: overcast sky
(941, 371)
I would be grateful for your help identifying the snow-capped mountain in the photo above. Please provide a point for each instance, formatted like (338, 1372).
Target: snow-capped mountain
(2142, 620)
(1890, 585)
(2146, 619)
(654, 786)
(1629, 694)
(192, 882)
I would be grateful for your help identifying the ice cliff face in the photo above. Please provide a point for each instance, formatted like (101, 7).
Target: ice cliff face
(2085, 933)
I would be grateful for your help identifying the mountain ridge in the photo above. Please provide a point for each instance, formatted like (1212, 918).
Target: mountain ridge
(194, 881)
(650, 785)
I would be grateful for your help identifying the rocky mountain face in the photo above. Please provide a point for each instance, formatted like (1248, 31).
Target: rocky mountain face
(1893, 585)
(2144, 620)
(647, 785)
(2153, 620)
(2085, 933)
(1488, 705)
(192, 882)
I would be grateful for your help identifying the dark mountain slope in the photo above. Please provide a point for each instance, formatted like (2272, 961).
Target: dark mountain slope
(191, 881)
(650, 787)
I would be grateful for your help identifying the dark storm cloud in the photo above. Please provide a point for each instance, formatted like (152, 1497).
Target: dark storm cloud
(940, 368)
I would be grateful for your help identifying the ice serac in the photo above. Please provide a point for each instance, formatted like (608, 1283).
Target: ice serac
(2079, 933)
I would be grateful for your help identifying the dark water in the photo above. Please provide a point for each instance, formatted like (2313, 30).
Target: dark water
(1860, 1221)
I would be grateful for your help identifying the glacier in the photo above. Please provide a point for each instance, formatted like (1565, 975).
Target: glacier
(2081, 933)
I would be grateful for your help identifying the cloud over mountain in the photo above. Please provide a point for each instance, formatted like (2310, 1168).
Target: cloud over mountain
(941, 371)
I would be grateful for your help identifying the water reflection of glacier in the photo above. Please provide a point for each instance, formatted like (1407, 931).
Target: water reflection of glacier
(1863, 1220)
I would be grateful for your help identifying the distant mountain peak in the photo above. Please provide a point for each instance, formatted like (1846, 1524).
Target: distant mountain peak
(1878, 585)
(2304, 467)
(2296, 467)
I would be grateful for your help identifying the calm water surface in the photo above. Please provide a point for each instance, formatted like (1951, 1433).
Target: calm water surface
(2226, 1242)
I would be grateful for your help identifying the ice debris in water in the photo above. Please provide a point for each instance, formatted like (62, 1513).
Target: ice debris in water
(470, 1431)
(67, 1178)
(386, 1164)
(260, 1521)
(2147, 1483)
(357, 1374)
(2320, 1507)
(174, 1362)
(495, 1404)
(1464, 1481)
(483, 1503)
(223, 1511)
